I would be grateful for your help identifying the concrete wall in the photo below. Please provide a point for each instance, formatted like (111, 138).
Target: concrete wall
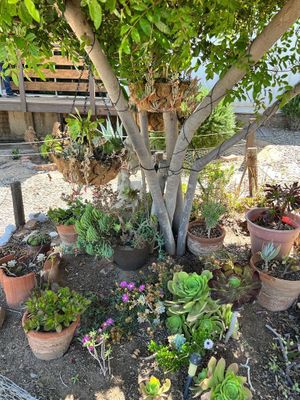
(14, 124)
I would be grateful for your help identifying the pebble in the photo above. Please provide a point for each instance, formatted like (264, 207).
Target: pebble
(33, 375)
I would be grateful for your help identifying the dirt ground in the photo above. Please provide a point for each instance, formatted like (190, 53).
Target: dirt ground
(76, 373)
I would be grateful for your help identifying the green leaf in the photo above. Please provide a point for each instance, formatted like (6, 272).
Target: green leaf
(135, 35)
(32, 10)
(95, 11)
(15, 78)
(146, 26)
(162, 27)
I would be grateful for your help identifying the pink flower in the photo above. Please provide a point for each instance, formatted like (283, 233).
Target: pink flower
(123, 284)
(287, 220)
(91, 348)
(141, 288)
(85, 339)
(125, 298)
(131, 286)
(110, 321)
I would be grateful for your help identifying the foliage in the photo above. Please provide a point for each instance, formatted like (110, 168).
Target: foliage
(23, 266)
(99, 338)
(268, 253)
(211, 213)
(95, 232)
(282, 198)
(219, 126)
(292, 108)
(153, 389)
(15, 153)
(69, 216)
(240, 204)
(51, 145)
(50, 311)
(38, 239)
(220, 383)
(234, 284)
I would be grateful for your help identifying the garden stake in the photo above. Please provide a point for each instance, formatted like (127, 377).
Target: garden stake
(195, 360)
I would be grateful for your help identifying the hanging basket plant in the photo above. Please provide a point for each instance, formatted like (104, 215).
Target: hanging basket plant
(159, 96)
(87, 152)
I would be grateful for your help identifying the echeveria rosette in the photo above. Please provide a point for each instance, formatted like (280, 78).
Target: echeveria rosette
(153, 389)
(215, 384)
(175, 324)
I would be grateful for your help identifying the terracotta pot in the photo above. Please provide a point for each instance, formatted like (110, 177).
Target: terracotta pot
(50, 345)
(200, 246)
(98, 173)
(275, 294)
(16, 288)
(130, 259)
(260, 235)
(67, 234)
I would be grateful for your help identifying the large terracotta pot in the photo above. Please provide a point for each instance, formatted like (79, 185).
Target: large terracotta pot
(50, 345)
(275, 294)
(200, 246)
(16, 288)
(67, 234)
(260, 235)
(130, 259)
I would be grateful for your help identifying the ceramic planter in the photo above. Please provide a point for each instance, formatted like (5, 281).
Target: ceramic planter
(275, 294)
(201, 246)
(16, 288)
(260, 235)
(130, 259)
(67, 234)
(50, 345)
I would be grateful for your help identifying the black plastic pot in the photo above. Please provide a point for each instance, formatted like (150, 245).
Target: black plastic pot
(130, 259)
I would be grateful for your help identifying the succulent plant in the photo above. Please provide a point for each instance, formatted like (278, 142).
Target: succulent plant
(174, 324)
(268, 253)
(235, 284)
(218, 383)
(154, 390)
(282, 198)
(38, 239)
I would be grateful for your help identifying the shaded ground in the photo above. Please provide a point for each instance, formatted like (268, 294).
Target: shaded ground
(76, 373)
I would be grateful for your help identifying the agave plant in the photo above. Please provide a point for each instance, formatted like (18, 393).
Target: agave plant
(154, 390)
(218, 383)
(268, 253)
(235, 284)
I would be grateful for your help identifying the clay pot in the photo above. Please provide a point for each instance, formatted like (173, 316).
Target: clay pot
(50, 345)
(130, 259)
(67, 234)
(201, 246)
(260, 235)
(16, 288)
(98, 173)
(275, 294)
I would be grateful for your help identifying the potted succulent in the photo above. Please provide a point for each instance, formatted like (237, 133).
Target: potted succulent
(125, 236)
(84, 153)
(65, 220)
(154, 390)
(218, 382)
(38, 242)
(18, 276)
(50, 321)
(276, 223)
(280, 278)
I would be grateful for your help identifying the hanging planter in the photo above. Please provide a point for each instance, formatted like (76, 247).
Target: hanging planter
(162, 96)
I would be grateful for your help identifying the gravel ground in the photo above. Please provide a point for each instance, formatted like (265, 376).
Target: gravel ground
(278, 159)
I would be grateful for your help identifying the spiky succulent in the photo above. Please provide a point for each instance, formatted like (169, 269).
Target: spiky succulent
(268, 253)
(154, 390)
(235, 284)
(218, 383)
(190, 294)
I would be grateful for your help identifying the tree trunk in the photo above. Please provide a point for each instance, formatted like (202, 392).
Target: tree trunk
(280, 23)
(200, 163)
(143, 118)
(81, 28)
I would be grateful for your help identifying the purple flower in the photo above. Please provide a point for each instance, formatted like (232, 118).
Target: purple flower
(131, 286)
(123, 284)
(125, 298)
(85, 339)
(141, 288)
(91, 348)
(109, 321)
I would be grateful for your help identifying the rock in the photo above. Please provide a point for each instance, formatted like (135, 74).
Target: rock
(2, 316)
(53, 234)
(33, 375)
(31, 224)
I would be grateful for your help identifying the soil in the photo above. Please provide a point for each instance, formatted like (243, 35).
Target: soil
(201, 231)
(77, 374)
(267, 222)
(277, 270)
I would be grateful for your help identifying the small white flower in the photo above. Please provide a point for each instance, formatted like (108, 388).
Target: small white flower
(141, 320)
(141, 300)
(147, 311)
(11, 263)
(160, 308)
(156, 321)
(41, 257)
(208, 344)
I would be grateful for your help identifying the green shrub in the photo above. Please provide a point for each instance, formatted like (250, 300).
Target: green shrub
(292, 108)
(67, 216)
(50, 311)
